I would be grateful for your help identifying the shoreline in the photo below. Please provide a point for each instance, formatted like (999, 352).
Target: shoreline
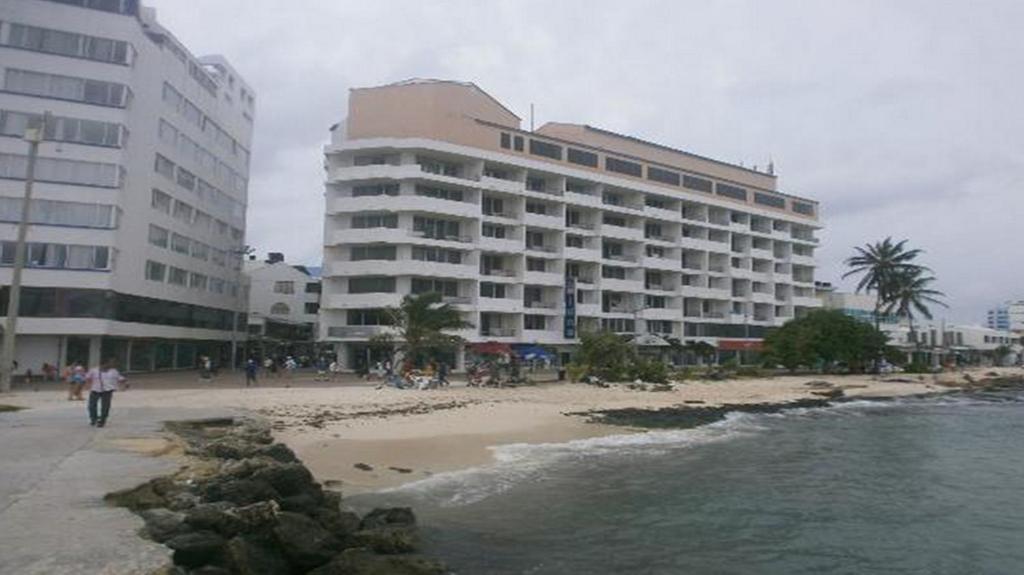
(374, 453)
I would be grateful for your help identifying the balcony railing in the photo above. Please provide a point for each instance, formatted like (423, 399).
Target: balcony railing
(442, 237)
(542, 248)
(497, 331)
(539, 305)
(498, 272)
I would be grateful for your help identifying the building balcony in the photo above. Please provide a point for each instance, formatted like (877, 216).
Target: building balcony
(621, 233)
(357, 332)
(500, 185)
(662, 214)
(542, 249)
(588, 309)
(361, 300)
(582, 254)
(744, 273)
(804, 301)
(704, 292)
(661, 313)
(762, 253)
(544, 221)
(802, 260)
(500, 273)
(761, 297)
(500, 305)
(544, 278)
(578, 199)
(698, 244)
(491, 331)
(665, 264)
(636, 286)
(506, 245)
(399, 268)
(375, 172)
(581, 228)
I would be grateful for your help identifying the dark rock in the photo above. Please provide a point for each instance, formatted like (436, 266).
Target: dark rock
(151, 494)
(363, 562)
(196, 548)
(230, 447)
(215, 517)
(287, 479)
(182, 501)
(363, 466)
(278, 452)
(242, 468)
(257, 518)
(249, 557)
(240, 491)
(304, 503)
(400, 469)
(210, 570)
(818, 384)
(388, 516)
(389, 540)
(304, 541)
(834, 393)
(338, 522)
(163, 524)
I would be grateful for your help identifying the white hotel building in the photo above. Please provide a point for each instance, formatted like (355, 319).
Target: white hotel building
(138, 212)
(537, 236)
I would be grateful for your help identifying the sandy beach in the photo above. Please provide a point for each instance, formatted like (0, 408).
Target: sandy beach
(358, 438)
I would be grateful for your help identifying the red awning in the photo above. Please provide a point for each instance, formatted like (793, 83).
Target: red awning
(491, 348)
(740, 345)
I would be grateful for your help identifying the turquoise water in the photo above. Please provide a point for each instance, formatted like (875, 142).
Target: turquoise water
(930, 486)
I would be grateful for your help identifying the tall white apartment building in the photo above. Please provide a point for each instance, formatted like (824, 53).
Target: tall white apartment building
(1008, 316)
(138, 212)
(432, 186)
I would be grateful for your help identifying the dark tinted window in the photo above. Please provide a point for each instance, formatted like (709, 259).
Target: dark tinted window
(506, 140)
(733, 192)
(769, 200)
(539, 148)
(623, 167)
(517, 143)
(663, 176)
(803, 208)
(582, 158)
(695, 183)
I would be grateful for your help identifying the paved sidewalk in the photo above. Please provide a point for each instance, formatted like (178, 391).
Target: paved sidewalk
(54, 471)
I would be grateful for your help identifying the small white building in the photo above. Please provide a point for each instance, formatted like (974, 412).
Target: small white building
(284, 302)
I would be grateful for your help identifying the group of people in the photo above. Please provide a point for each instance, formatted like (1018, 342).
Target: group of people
(325, 371)
(101, 381)
(432, 376)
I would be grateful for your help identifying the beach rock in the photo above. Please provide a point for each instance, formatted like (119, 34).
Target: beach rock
(196, 548)
(278, 452)
(305, 543)
(363, 466)
(182, 501)
(389, 540)
(818, 384)
(242, 468)
(215, 517)
(230, 447)
(286, 478)
(388, 516)
(834, 393)
(149, 495)
(240, 491)
(254, 557)
(360, 561)
(163, 524)
(257, 518)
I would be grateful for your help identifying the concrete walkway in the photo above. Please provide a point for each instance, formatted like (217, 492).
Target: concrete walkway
(55, 470)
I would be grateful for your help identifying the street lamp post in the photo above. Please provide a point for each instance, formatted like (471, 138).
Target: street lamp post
(33, 136)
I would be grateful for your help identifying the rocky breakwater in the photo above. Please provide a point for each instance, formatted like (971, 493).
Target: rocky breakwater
(244, 504)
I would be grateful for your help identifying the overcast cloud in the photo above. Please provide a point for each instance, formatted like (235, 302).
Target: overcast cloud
(902, 118)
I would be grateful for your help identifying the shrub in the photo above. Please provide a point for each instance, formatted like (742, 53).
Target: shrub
(648, 370)
(749, 371)
(917, 367)
(576, 371)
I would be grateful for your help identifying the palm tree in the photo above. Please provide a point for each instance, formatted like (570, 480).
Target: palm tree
(910, 291)
(880, 263)
(421, 322)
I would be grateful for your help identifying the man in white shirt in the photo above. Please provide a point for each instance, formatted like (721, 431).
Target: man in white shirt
(103, 381)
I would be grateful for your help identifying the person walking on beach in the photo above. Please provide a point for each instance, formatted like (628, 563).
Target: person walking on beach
(74, 375)
(103, 381)
(251, 367)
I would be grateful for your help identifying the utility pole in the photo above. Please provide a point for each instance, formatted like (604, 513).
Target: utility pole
(33, 136)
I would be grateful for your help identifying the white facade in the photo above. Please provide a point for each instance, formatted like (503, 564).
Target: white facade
(139, 206)
(498, 233)
(280, 292)
(1009, 316)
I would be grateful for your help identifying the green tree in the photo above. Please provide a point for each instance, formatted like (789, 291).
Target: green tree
(827, 338)
(421, 322)
(880, 264)
(910, 292)
(701, 350)
(605, 354)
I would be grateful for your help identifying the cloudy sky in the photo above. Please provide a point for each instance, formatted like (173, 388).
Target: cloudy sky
(903, 118)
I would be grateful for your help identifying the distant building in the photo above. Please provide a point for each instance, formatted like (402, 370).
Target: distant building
(1009, 315)
(138, 211)
(538, 236)
(936, 341)
(284, 302)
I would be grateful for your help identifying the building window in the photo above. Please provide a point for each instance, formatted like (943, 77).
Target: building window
(180, 243)
(439, 193)
(573, 241)
(280, 308)
(536, 265)
(699, 184)
(663, 176)
(492, 290)
(155, 271)
(769, 200)
(545, 149)
(492, 206)
(613, 272)
(63, 129)
(197, 281)
(439, 167)
(655, 252)
(614, 220)
(654, 301)
(66, 88)
(200, 251)
(68, 44)
(158, 236)
(285, 287)
(177, 276)
(375, 190)
(436, 229)
(535, 322)
(803, 208)
(312, 287)
(733, 192)
(440, 255)
(164, 167)
(311, 308)
(369, 317)
(160, 201)
(517, 143)
(183, 212)
(366, 221)
(492, 231)
(539, 208)
(506, 140)
(582, 158)
(186, 179)
(371, 285)
(362, 253)
(623, 167)
(59, 213)
(59, 171)
(447, 288)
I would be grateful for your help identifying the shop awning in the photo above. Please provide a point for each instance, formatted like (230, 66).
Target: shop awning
(491, 348)
(533, 352)
(740, 344)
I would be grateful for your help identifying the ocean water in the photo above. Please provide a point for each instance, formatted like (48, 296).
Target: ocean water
(929, 486)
